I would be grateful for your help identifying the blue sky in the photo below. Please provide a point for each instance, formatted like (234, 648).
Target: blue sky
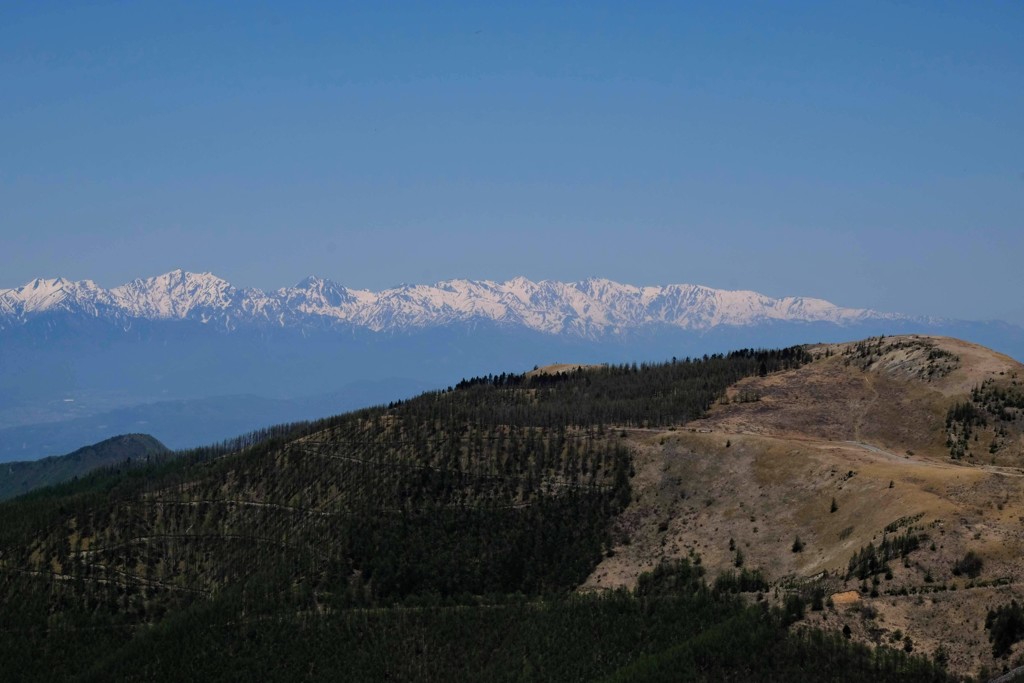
(868, 153)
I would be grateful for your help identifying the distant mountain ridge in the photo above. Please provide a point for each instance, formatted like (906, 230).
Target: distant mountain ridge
(591, 308)
(17, 478)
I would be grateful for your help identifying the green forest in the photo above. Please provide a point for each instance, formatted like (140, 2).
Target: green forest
(439, 538)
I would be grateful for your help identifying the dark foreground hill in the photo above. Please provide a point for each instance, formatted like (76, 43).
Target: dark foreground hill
(17, 478)
(441, 538)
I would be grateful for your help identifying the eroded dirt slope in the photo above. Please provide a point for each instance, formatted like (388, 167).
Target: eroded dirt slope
(854, 448)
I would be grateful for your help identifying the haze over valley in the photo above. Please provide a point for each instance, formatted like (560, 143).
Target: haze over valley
(192, 359)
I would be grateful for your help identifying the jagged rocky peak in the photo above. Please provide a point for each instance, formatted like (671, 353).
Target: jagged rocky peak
(311, 282)
(321, 292)
(176, 294)
(52, 294)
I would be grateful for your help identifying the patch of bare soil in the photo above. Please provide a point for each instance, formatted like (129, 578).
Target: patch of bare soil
(845, 598)
(557, 368)
(841, 454)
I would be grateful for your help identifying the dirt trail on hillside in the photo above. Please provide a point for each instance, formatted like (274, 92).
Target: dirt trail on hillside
(908, 460)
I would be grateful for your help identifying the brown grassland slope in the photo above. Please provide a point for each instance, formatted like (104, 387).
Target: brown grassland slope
(899, 436)
(556, 368)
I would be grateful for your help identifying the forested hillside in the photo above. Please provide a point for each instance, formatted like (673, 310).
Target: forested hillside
(433, 539)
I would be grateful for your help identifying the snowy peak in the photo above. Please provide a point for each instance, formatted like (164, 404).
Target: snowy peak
(322, 293)
(589, 308)
(177, 294)
(315, 299)
(42, 295)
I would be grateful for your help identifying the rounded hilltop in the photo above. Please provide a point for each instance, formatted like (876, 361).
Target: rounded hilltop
(556, 368)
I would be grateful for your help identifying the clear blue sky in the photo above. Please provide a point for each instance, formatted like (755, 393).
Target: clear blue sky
(868, 153)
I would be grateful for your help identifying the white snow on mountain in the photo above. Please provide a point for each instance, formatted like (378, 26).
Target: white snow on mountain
(41, 295)
(590, 308)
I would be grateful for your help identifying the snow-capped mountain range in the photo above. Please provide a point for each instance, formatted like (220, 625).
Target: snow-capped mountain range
(591, 308)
